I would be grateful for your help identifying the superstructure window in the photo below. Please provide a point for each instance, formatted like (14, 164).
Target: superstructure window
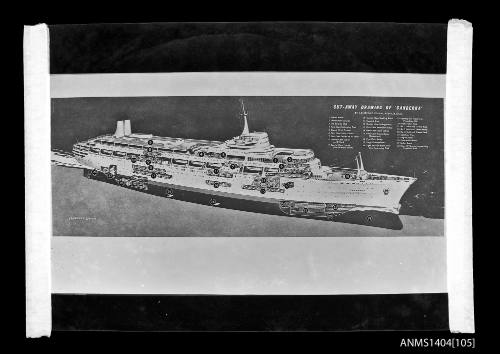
(95, 150)
(179, 162)
(120, 153)
(197, 164)
(106, 152)
(235, 157)
(252, 169)
(259, 159)
(285, 153)
(213, 165)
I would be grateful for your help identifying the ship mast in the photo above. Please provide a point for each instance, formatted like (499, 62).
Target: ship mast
(359, 166)
(244, 113)
(361, 162)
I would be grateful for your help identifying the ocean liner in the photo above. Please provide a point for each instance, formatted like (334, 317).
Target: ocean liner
(246, 173)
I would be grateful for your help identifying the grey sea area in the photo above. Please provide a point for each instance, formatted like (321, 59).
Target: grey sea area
(84, 207)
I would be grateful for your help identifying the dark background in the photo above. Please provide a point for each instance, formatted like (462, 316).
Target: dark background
(250, 313)
(264, 46)
(294, 122)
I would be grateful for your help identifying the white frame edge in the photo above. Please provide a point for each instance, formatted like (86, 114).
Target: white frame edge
(38, 206)
(458, 176)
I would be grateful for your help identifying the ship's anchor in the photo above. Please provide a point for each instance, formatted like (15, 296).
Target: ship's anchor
(169, 192)
(369, 218)
(213, 202)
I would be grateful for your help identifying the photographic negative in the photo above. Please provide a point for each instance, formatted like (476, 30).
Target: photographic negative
(283, 166)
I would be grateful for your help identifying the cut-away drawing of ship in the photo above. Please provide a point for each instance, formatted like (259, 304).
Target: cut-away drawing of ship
(243, 173)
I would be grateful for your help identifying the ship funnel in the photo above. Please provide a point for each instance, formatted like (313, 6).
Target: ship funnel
(127, 128)
(119, 129)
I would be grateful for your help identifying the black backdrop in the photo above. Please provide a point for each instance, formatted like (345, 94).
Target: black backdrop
(282, 46)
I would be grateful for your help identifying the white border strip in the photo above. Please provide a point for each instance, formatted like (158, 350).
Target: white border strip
(458, 177)
(249, 265)
(249, 84)
(38, 211)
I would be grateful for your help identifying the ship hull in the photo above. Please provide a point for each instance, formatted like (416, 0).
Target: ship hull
(376, 216)
(380, 195)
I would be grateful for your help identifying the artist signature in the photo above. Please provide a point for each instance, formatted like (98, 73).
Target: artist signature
(82, 218)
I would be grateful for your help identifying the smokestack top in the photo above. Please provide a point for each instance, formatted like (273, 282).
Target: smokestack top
(119, 129)
(127, 128)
